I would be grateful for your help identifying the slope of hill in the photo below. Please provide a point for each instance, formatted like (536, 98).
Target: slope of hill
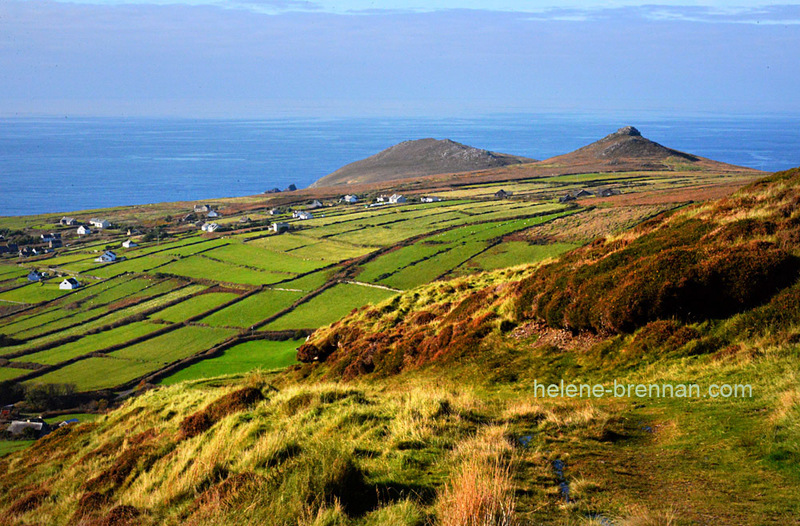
(627, 148)
(418, 158)
(442, 423)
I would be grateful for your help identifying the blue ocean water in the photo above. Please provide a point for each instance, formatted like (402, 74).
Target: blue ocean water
(58, 165)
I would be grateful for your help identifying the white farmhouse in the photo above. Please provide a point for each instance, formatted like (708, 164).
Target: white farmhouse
(129, 244)
(396, 199)
(302, 214)
(84, 230)
(213, 213)
(106, 257)
(99, 223)
(209, 227)
(350, 199)
(279, 227)
(69, 284)
(430, 199)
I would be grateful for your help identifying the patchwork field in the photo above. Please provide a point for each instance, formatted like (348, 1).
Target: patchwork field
(306, 278)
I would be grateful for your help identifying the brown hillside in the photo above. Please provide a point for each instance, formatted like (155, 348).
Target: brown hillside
(736, 257)
(418, 158)
(628, 148)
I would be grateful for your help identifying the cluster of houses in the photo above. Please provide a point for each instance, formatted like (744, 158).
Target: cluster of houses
(577, 194)
(36, 276)
(19, 428)
(207, 226)
(85, 230)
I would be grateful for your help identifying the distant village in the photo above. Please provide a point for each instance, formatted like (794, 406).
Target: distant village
(211, 219)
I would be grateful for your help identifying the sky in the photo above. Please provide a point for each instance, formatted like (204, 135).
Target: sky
(328, 58)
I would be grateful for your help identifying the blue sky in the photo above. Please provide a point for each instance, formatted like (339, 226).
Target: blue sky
(276, 58)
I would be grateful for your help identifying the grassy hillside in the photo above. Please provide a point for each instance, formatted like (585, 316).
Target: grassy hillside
(429, 407)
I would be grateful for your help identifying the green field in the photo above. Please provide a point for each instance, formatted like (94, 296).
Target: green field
(91, 343)
(263, 259)
(194, 306)
(253, 309)
(205, 268)
(9, 373)
(513, 253)
(9, 446)
(328, 307)
(96, 373)
(242, 358)
(174, 345)
(34, 292)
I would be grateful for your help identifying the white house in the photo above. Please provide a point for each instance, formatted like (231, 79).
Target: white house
(213, 213)
(69, 284)
(279, 227)
(274, 212)
(68, 221)
(106, 257)
(209, 227)
(84, 230)
(302, 214)
(99, 223)
(315, 204)
(430, 199)
(350, 199)
(382, 199)
(129, 244)
(201, 208)
(397, 198)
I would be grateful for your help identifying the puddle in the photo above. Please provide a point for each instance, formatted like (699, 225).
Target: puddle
(558, 468)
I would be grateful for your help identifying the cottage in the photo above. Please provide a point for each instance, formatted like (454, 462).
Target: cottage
(274, 212)
(502, 194)
(209, 227)
(84, 230)
(397, 199)
(35, 427)
(68, 221)
(279, 228)
(213, 213)
(582, 193)
(566, 198)
(350, 199)
(106, 257)
(607, 192)
(382, 199)
(25, 252)
(55, 243)
(69, 284)
(129, 244)
(201, 208)
(99, 223)
(35, 275)
(314, 204)
(47, 238)
(430, 199)
(302, 214)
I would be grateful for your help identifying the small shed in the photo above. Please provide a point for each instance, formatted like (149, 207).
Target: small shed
(502, 194)
(129, 244)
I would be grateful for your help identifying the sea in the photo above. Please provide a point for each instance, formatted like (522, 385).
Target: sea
(54, 165)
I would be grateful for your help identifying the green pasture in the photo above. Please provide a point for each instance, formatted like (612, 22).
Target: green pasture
(175, 345)
(253, 256)
(91, 343)
(242, 358)
(513, 253)
(9, 373)
(96, 373)
(309, 282)
(253, 309)
(34, 292)
(328, 307)
(194, 306)
(205, 268)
